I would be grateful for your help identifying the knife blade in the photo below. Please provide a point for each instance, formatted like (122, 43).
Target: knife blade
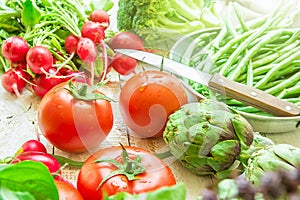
(220, 84)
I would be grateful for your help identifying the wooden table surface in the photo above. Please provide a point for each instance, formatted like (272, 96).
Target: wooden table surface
(18, 123)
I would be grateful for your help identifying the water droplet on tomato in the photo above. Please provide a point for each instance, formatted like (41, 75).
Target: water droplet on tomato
(143, 87)
(137, 150)
(115, 185)
(59, 107)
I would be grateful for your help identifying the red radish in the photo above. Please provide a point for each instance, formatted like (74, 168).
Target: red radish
(126, 40)
(100, 16)
(39, 59)
(14, 80)
(47, 159)
(71, 44)
(94, 31)
(33, 145)
(15, 49)
(86, 50)
(43, 83)
(124, 65)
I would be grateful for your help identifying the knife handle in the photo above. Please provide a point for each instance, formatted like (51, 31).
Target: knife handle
(253, 97)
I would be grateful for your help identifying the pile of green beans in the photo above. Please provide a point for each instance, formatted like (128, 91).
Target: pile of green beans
(264, 55)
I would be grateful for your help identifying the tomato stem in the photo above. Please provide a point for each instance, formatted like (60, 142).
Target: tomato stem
(129, 168)
(86, 92)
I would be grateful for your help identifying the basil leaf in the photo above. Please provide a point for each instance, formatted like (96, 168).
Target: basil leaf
(30, 14)
(8, 194)
(28, 176)
(177, 192)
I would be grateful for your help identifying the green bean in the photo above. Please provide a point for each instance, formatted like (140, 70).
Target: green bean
(284, 84)
(290, 91)
(274, 56)
(243, 45)
(249, 74)
(247, 109)
(244, 27)
(271, 84)
(290, 57)
(293, 100)
(267, 38)
(229, 45)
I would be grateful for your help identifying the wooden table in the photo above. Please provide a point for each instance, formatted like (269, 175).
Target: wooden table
(18, 123)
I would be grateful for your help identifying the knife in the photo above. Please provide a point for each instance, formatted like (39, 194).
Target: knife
(220, 84)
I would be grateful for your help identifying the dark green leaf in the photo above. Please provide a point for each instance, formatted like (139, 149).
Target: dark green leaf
(31, 177)
(30, 14)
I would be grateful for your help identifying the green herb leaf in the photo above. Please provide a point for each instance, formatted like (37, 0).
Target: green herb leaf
(177, 192)
(101, 5)
(8, 194)
(27, 178)
(30, 14)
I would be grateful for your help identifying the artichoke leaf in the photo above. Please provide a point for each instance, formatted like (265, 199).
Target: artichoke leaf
(259, 142)
(176, 150)
(222, 119)
(212, 136)
(224, 154)
(288, 153)
(197, 133)
(272, 165)
(254, 174)
(227, 172)
(197, 164)
(243, 130)
(191, 149)
(209, 104)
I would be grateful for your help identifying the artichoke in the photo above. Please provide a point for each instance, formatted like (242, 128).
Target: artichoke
(272, 158)
(259, 142)
(207, 137)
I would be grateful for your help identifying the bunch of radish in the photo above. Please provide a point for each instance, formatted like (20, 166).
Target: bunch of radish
(37, 65)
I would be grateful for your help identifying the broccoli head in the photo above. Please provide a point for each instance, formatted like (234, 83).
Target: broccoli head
(161, 22)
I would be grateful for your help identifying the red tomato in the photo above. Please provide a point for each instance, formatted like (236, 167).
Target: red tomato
(72, 124)
(147, 99)
(157, 174)
(66, 191)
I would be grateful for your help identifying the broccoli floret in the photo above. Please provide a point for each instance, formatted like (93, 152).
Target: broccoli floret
(162, 22)
(125, 14)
